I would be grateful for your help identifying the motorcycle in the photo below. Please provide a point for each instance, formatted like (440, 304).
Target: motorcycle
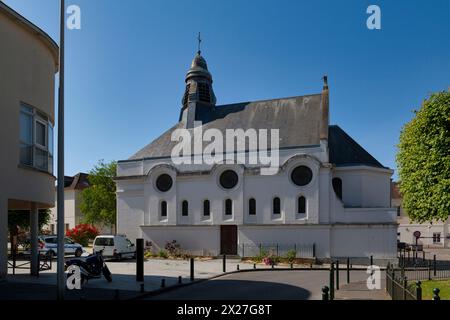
(91, 267)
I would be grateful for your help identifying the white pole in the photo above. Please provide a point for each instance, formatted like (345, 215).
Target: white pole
(60, 187)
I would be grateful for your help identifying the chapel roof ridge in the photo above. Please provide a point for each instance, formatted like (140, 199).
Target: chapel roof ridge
(268, 100)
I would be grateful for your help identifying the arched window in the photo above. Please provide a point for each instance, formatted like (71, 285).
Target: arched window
(206, 208)
(228, 207)
(163, 209)
(276, 206)
(252, 207)
(301, 205)
(337, 187)
(184, 208)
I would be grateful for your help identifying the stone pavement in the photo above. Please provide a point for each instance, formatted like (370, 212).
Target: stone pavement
(357, 289)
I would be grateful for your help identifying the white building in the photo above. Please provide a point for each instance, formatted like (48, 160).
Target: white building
(73, 188)
(434, 234)
(328, 191)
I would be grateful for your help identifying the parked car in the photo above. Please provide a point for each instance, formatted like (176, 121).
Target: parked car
(116, 247)
(49, 246)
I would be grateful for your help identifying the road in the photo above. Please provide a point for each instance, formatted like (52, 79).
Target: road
(260, 285)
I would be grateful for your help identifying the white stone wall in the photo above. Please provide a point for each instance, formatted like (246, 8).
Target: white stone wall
(198, 240)
(365, 187)
(338, 241)
(426, 229)
(360, 225)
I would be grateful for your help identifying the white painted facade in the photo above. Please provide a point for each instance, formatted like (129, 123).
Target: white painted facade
(361, 225)
(434, 234)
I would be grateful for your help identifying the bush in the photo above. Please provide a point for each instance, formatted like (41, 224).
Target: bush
(163, 254)
(82, 233)
(291, 255)
(262, 254)
(173, 248)
(272, 260)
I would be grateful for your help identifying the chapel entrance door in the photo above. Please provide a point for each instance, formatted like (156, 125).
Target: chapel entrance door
(228, 240)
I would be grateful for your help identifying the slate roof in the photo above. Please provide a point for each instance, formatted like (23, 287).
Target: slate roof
(77, 182)
(344, 151)
(297, 118)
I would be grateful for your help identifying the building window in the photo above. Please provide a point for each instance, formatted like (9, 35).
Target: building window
(276, 206)
(228, 179)
(301, 176)
(252, 207)
(206, 208)
(163, 208)
(164, 182)
(337, 187)
(301, 205)
(184, 208)
(36, 139)
(228, 207)
(203, 92)
(436, 237)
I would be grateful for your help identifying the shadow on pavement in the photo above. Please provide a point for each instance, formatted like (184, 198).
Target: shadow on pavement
(236, 290)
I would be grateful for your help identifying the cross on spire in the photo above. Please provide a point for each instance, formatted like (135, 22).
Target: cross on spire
(199, 43)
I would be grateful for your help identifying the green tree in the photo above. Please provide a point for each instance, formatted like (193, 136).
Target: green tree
(20, 220)
(98, 202)
(423, 161)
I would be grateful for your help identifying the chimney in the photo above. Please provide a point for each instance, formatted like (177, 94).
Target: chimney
(325, 105)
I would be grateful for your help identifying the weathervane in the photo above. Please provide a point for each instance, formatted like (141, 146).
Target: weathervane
(199, 43)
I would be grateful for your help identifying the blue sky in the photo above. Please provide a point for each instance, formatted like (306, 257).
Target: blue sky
(125, 68)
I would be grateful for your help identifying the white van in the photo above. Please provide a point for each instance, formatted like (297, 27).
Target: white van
(117, 247)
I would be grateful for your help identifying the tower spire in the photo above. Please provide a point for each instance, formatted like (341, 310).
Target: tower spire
(199, 95)
(199, 38)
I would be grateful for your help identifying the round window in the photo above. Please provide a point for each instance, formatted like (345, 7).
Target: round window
(164, 182)
(229, 179)
(301, 175)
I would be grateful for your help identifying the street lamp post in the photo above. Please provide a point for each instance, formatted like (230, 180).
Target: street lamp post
(60, 187)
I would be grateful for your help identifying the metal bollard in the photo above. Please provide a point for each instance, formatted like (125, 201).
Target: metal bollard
(405, 286)
(192, 269)
(325, 293)
(436, 294)
(418, 290)
(371, 260)
(434, 265)
(140, 260)
(163, 283)
(180, 280)
(348, 270)
(292, 266)
(237, 267)
(332, 281)
(337, 275)
(254, 266)
(224, 263)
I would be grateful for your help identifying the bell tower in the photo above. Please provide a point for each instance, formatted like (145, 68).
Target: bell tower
(199, 96)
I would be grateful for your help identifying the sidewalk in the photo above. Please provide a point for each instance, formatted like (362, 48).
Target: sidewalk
(359, 291)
